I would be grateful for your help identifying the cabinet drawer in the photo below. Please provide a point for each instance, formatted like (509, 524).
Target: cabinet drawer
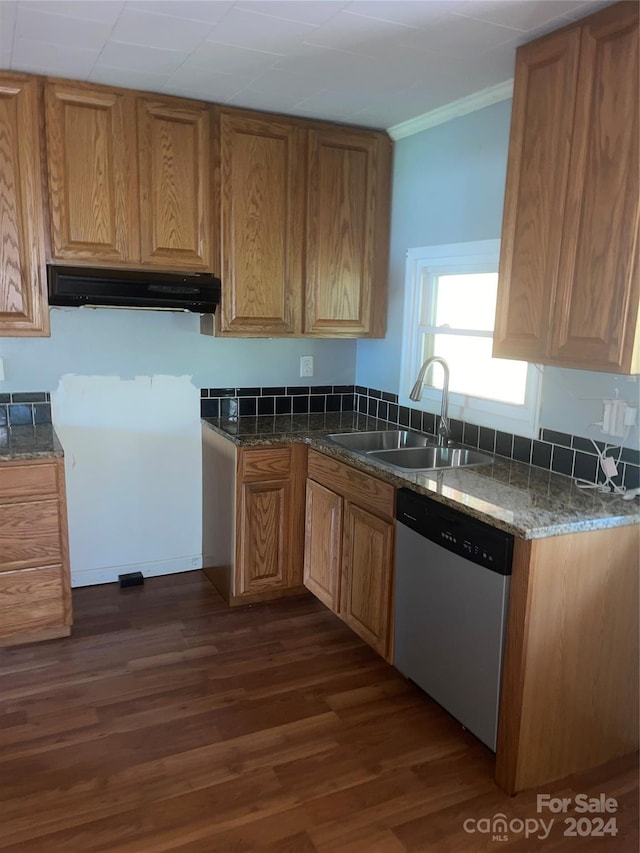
(354, 485)
(20, 481)
(267, 464)
(29, 534)
(32, 598)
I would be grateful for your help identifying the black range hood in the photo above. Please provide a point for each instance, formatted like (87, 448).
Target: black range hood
(112, 288)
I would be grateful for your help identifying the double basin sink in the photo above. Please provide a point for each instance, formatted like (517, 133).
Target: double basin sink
(408, 450)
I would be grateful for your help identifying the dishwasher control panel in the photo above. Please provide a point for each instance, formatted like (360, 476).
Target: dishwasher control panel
(478, 542)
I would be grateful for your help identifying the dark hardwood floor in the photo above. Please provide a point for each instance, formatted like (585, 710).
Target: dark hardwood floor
(169, 722)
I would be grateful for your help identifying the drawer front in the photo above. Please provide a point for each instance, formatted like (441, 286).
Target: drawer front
(32, 599)
(271, 463)
(359, 488)
(21, 481)
(30, 534)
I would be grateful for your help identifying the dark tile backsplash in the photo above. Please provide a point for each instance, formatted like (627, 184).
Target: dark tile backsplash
(276, 399)
(28, 408)
(571, 455)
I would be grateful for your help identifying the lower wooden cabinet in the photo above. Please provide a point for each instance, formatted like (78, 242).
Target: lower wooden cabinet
(570, 690)
(349, 547)
(367, 565)
(323, 544)
(253, 518)
(35, 589)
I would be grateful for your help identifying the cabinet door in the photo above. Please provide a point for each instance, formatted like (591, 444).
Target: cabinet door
(598, 287)
(33, 599)
(175, 183)
(93, 175)
(346, 205)
(262, 211)
(262, 561)
(23, 301)
(367, 572)
(323, 544)
(537, 174)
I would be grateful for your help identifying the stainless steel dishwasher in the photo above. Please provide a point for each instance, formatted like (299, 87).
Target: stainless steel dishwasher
(452, 594)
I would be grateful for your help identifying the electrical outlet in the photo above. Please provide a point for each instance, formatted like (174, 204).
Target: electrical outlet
(306, 365)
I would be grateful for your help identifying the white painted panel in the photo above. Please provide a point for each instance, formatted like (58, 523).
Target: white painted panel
(133, 468)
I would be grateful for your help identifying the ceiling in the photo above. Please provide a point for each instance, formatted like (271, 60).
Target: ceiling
(376, 63)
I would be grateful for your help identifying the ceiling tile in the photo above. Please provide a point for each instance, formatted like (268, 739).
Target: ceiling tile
(229, 59)
(342, 103)
(41, 57)
(206, 85)
(34, 25)
(275, 102)
(582, 8)
(207, 11)
(408, 12)
(105, 11)
(137, 58)
(461, 37)
(259, 32)
(137, 27)
(128, 78)
(519, 16)
(355, 33)
(308, 12)
(294, 86)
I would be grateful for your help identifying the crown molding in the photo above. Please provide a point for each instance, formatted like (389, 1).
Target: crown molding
(469, 104)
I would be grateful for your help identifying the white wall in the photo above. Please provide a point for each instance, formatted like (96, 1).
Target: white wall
(125, 389)
(448, 187)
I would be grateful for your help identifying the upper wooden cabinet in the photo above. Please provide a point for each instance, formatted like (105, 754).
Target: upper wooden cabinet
(129, 178)
(93, 173)
(304, 216)
(346, 232)
(175, 183)
(23, 301)
(569, 289)
(261, 220)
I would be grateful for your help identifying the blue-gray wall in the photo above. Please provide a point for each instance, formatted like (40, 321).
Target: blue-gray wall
(125, 394)
(448, 187)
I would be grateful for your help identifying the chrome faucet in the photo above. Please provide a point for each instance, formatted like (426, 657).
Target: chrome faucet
(416, 393)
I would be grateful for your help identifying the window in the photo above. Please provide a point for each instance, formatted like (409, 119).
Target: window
(450, 304)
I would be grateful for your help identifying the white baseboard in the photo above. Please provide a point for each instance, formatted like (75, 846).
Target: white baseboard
(109, 574)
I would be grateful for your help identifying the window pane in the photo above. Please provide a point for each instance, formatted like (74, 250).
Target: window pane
(466, 301)
(473, 371)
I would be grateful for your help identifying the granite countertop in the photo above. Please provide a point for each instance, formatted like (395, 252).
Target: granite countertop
(29, 442)
(528, 502)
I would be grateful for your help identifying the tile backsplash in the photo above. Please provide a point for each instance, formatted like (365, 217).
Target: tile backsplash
(571, 455)
(276, 400)
(25, 408)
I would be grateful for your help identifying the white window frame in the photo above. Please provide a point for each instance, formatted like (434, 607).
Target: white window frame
(457, 258)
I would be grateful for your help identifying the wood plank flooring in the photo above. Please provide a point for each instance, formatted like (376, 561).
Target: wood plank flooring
(170, 722)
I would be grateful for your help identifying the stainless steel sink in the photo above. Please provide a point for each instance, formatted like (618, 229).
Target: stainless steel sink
(430, 458)
(389, 439)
